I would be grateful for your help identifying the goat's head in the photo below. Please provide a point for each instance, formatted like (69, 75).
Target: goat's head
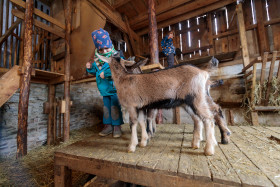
(213, 63)
(130, 66)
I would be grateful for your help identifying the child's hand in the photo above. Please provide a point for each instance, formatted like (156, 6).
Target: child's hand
(102, 75)
(88, 65)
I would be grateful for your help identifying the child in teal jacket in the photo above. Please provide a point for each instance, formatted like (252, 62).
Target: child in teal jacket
(112, 115)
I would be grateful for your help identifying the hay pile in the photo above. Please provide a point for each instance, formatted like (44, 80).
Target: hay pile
(260, 92)
(36, 168)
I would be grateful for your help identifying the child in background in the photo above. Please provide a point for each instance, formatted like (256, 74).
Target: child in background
(168, 48)
(112, 117)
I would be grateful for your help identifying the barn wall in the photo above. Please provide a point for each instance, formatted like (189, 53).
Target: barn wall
(82, 46)
(86, 111)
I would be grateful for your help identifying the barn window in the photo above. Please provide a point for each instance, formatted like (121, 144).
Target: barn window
(253, 11)
(267, 13)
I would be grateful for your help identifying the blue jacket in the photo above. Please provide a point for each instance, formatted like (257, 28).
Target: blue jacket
(105, 86)
(167, 46)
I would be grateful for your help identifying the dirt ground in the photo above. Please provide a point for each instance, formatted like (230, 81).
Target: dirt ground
(36, 168)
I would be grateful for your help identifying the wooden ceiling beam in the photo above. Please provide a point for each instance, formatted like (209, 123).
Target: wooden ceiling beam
(159, 9)
(114, 17)
(119, 3)
(185, 8)
(188, 15)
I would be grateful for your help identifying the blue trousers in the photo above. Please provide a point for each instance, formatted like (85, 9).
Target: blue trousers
(112, 114)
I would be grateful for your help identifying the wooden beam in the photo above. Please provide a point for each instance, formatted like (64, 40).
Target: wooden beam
(267, 108)
(51, 97)
(189, 15)
(254, 77)
(242, 35)
(258, 59)
(9, 83)
(270, 77)
(57, 80)
(194, 5)
(67, 13)
(262, 35)
(119, 3)
(113, 17)
(41, 14)
(235, 31)
(163, 7)
(9, 31)
(210, 33)
(272, 21)
(1, 23)
(39, 24)
(131, 39)
(91, 79)
(177, 116)
(128, 45)
(151, 67)
(25, 82)
(153, 34)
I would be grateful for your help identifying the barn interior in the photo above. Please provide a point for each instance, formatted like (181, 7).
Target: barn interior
(48, 100)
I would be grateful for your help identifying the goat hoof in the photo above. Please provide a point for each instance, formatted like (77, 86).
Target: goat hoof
(224, 141)
(195, 145)
(209, 151)
(143, 144)
(131, 149)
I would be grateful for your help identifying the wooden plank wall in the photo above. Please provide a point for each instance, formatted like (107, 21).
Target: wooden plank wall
(41, 41)
(273, 30)
(9, 42)
(226, 38)
(11, 37)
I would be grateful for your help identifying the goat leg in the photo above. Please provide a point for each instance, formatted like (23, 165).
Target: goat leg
(134, 139)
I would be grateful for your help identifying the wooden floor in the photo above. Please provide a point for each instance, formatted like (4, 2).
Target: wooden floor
(252, 158)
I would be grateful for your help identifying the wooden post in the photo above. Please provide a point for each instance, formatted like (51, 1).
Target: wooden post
(262, 36)
(177, 115)
(21, 52)
(25, 82)
(153, 33)
(242, 34)
(210, 34)
(131, 39)
(67, 12)
(1, 25)
(50, 138)
(62, 176)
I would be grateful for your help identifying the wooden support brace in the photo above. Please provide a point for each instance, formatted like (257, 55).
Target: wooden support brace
(177, 115)
(39, 24)
(62, 176)
(40, 14)
(255, 118)
(242, 34)
(21, 71)
(9, 31)
(270, 77)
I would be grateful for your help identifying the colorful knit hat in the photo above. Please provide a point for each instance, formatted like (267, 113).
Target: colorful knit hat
(101, 39)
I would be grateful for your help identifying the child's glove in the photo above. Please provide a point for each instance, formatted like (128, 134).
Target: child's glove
(88, 65)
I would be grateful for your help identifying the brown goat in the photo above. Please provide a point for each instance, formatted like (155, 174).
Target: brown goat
(180, 86)
(134, 67)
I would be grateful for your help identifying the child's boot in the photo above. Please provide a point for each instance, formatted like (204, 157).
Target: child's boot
(117, 131)
(108, 129)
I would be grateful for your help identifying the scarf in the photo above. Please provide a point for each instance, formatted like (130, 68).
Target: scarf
(99, 57)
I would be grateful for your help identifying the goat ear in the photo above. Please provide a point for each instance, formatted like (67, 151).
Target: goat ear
(127, 63)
